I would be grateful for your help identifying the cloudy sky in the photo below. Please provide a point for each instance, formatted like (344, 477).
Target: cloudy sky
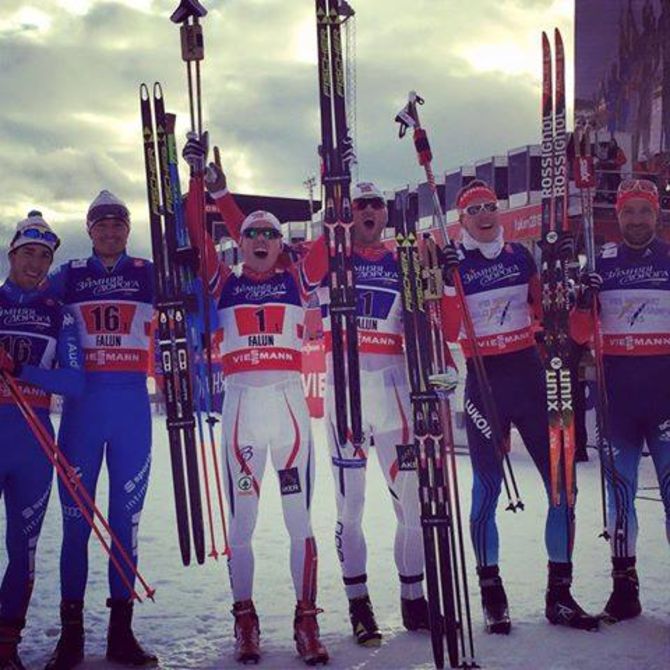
(70, 72)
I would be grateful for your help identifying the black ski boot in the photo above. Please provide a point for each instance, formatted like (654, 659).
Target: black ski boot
(69, 652)
(624, 602)
(581, 455)
(10, 636)
(363, 622)
(561, 608)
(122, 647)
(494, 600)
(415, 613)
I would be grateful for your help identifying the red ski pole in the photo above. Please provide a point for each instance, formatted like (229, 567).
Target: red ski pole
(81, 496)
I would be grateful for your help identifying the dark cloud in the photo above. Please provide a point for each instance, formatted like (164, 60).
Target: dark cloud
(69, 120)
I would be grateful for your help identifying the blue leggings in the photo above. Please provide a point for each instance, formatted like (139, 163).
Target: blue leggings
(638, 391)
(519, 392)
(25, 483)
(114, 422)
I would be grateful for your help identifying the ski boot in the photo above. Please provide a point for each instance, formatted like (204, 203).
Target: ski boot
(561, 608)
(69, 652)
(415, 613)
(624, 602)
(494, 600)
(122, 647)
(10, 636)
(363, 622)
(306, 634)
(247, 632)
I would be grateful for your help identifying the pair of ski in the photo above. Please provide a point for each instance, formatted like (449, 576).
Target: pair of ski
(555, 275)
(182, 303)
(444, 551)
(336, 154)
(172, 303)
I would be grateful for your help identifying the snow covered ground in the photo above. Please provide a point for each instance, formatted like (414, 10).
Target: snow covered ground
(190, 625)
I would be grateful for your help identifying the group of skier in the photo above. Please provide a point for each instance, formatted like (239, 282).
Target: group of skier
(84, 332)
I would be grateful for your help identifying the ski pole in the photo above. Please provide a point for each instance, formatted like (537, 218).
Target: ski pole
(81, 497)
(585, 180)
(408, 117)
(188, 14)
(187, 281)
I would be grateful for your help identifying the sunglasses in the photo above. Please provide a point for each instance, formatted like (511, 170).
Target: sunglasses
(473, 210)
(375, 203)
(37, 234)
(628, 185)
(265, 233)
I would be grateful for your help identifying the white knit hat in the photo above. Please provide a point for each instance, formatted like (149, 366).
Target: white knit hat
(260, 216)
(366, 189)
(107, 206)
(34, 230)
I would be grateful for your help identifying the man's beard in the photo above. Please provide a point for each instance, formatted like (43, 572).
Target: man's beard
(638, 238)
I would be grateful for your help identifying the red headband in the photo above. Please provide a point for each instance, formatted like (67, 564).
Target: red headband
(623, 198)
(474, 193)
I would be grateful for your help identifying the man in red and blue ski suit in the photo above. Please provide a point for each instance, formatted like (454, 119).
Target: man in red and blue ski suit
(503, 294)
(632, 282)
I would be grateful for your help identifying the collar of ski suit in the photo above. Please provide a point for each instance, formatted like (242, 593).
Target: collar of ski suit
(489, 250)
(261, 276)
(119, 261)
(17, 294)
(372, 252)
(654, 246)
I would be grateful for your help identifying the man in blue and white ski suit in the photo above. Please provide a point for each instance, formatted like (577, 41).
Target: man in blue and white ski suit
(111, 297)
(39, 347)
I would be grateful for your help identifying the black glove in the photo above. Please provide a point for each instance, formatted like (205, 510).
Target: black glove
(449, 259)
(195, 151)
(565, 247)
(215, 179)
(589, 287)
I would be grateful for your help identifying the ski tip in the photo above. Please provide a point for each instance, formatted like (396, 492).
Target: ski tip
(170, 121)
(158, 90)
(144, 91)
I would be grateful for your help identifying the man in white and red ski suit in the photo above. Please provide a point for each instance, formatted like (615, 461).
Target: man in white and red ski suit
(261, 311)
(386, 419)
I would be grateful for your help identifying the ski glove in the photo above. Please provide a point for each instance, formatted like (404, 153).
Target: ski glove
(195, 151)
(589, 286)
(444, 383)
(449, 260)
(8, 364)
(215, 179)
